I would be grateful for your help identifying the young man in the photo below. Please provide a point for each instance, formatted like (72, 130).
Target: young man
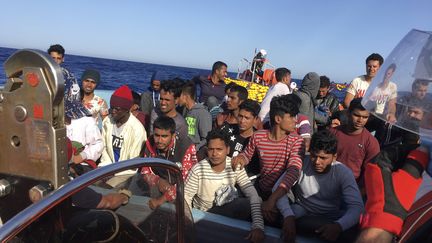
(169, 98)
(229, 118)
(247, 117)
(72, 94)
(282, 87)
(327, 104)
(211, 177)
(321, 208)
(357, 146)
(197, 117)
(165, 144)
(95, 104)
(280, 150)
(150, 98)
(307, 94)
(122, 133)
(213, 86)
(359, 85)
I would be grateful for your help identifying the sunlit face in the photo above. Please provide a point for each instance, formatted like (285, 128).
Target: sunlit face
(162, 138)
(155, 84)
(420, 91)
(287, 79)
(118, 113)
(323, 92)
(287, 122)
(359, 118)
(217, 151)
(372, 68)
(221, 73)
(321, 160)
(246, 120)
(167, 101)
(233, 101)
(89, 85)
(58, 58)
(415, 113)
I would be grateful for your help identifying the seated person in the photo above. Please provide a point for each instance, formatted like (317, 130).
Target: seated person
(86, 140)
(320, 208)
(122, 134)
(165, 144)
(210, 187)
(280, 152)
(248, 116)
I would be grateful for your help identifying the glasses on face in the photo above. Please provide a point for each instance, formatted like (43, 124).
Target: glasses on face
(116, 109)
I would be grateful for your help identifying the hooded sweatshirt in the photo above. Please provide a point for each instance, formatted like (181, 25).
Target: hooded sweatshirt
(307, 93)
(199, 123)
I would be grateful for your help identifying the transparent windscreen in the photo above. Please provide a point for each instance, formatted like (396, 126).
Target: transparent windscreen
(401, 91)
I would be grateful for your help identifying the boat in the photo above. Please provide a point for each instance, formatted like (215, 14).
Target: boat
(35, 189)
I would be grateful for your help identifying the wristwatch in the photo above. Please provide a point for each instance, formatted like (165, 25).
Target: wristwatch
(127, 193)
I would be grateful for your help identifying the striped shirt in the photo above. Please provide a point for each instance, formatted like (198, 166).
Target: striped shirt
(203, 182)
(276, 157)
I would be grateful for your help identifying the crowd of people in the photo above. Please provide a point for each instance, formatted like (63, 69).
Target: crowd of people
(300, 160)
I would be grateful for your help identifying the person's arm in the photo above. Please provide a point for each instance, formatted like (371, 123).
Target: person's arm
(391, 114)
(103, 112)
(350, 94)
(191, 186)
(139, 137)
(348, 98)
(255, 201)
(204, 127)
(105, 158)
(351, 199)
(244, 157)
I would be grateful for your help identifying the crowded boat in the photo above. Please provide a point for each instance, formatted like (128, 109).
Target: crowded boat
(260, 148)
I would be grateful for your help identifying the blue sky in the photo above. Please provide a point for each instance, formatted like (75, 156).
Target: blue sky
(330, 37)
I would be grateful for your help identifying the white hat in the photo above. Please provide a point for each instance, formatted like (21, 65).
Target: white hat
(263, 52)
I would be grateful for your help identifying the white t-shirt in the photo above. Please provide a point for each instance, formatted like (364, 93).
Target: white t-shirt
(383, 95)
(278, 89)
(358, 87)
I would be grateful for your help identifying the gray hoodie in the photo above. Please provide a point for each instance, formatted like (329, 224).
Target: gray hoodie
(199, 123)
(307, 93)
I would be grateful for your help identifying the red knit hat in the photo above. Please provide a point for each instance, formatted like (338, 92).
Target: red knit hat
(122, 97)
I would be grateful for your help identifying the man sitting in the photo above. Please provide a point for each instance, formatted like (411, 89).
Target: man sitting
(122, 134)
(169, 98)
(210, 187)
(247, 117)
(357, 146)
(327, 201)
(280, 151)
(165, 144)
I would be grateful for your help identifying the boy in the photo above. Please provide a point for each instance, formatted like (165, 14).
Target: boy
(327, 200)
(280, 150)
(210, 176)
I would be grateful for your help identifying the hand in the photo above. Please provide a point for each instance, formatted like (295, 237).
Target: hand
(154, 203)
(163, 185)
(77, 159)
(335, 123)
(255, 235)
(289, 229)
(391, 118)
(269, 210)
(238, 162)
(329, 232)
(112, 200)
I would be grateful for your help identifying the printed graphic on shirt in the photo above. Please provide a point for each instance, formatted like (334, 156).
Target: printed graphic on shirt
(191, 122)
(117, 143)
